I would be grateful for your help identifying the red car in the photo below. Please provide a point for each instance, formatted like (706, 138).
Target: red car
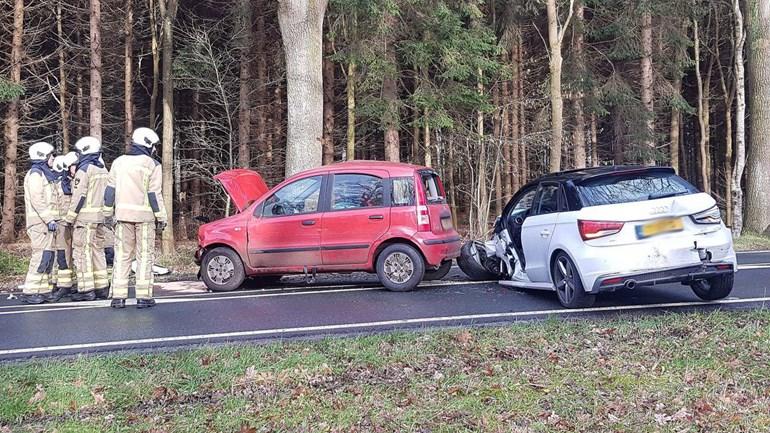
(388, 218)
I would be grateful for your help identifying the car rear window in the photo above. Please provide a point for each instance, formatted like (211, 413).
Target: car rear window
(627, 188)
(431, 184)
(403, 191)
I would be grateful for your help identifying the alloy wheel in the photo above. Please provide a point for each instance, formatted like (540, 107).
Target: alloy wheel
(565, 279)
(399, 267)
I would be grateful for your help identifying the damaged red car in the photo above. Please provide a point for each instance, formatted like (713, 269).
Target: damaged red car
(386, 218)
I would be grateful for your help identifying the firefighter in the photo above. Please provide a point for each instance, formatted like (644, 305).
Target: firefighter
(86, 214)
(134, 196)
(41, 211)
(64, 166)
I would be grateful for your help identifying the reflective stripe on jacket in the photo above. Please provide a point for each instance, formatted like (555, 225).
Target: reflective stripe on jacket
(87, 205)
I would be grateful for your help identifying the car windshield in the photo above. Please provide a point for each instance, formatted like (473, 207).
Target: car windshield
(634, 187)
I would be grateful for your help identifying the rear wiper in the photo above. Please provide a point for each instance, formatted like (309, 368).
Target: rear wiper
(666, 195)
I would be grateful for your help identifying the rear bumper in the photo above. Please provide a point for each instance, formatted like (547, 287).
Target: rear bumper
(687, 274)
(438, 249)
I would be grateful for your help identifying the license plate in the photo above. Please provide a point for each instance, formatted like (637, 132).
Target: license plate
(659, 227)
(446, 223)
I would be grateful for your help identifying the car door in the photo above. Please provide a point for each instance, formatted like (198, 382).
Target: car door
(537, 230)
(357, 217)
(286, 228)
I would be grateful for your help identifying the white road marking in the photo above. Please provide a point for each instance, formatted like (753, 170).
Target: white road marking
(754, 266)
(66, 306)
(349, 326)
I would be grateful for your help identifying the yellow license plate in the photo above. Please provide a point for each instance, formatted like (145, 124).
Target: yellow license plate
(659, 227)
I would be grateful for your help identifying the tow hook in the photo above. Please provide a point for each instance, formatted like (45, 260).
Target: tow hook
(703, 254)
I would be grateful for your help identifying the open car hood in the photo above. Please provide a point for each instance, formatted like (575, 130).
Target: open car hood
(243, 186)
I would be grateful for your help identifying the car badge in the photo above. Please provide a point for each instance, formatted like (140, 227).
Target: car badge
(657, 210)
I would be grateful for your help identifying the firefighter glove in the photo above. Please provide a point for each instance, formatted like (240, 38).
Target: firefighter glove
(52, 226)
(160, 226)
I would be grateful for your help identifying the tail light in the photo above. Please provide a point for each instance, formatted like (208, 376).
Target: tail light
(598, 229)
(708, 216)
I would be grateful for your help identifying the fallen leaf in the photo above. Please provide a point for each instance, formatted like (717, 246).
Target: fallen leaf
(703, 407)
(682, 415)
(98, 395)
(38, 396)
(464, 337)
(247, 429)
(206, 360)
(438, 376)
(454, 390)
(73, 406)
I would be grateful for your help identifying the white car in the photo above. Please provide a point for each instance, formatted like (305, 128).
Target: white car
(587, 231)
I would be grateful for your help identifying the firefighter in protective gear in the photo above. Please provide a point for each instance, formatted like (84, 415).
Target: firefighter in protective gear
(108, 233)
(64, 166)
(134, 195)
(41, 214)
(86, 214)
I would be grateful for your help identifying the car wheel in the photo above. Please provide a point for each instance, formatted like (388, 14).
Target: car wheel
(471, 262)
(569, 285)
(400, 267)
(714, 288)
(222, 270)
(438, 273)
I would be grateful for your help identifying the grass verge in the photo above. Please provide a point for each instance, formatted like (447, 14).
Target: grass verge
(670, 373)
(752, 242)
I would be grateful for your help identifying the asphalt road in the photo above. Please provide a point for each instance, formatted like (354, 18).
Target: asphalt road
(187, 315)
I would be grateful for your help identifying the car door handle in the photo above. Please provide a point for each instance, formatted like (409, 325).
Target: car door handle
(308, 222)
(376, 217)
(545, 233)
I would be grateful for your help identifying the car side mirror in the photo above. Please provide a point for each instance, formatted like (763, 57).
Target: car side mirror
(278, 209)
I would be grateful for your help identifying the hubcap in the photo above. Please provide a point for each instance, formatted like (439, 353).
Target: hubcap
(399, 268)
(565, 279)
(220, 269)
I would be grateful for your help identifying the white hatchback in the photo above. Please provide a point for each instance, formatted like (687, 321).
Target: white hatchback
(594, 230)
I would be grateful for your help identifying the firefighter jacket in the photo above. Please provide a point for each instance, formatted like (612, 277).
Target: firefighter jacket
(40, 198)
(88, 188)
(64, 195)
(134, 190)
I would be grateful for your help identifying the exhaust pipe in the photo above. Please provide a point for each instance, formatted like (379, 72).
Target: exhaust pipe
(630, 284)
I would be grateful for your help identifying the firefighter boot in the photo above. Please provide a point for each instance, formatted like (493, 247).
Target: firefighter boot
(118, 303)
(145, 303)
(84, 296)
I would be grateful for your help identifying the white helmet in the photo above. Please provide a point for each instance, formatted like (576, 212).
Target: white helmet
(88, 145)
(40, 151)
(63, 162)
(145, 137)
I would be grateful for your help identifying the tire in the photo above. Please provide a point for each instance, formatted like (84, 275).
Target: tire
(222, 270)
(470, 262)
(438, 273)
(568, 284)
(400, 267)
(714, 288)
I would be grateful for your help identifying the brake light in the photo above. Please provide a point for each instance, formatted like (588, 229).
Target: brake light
(598, 229)
(423, 216)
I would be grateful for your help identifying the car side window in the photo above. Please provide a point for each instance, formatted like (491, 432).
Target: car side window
(356, 191)
(524, 203)
(403, 191)
(548, 200)
(299, 197)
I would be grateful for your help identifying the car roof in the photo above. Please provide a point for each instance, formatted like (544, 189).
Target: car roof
(393, 168)
(581, 174)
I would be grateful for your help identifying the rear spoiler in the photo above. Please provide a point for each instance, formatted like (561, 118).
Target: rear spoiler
(623, 171)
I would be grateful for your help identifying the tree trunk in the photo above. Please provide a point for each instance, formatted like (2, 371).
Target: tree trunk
(594, 141)
(244, 105)
(7, 228)
(740, 119)
(95, 98)
(579, 141)
(522, 119)
(80, 107)
(328, 72)
(350, 87)
(196, 205)
(155, 61)
(505, 125)
(63, 108)
(702, 115)
(390, 96)
(497, 138)
(415, 135)
(301, 23)
(128, 90)
(555, 37)
(758, 164)
(168, 13)
(426, 138)
(261, 96)
(618, 134)
(648, 92)
(451, 179)
(674, 131)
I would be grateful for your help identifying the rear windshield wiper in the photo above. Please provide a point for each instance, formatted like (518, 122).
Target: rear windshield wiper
(666, 195)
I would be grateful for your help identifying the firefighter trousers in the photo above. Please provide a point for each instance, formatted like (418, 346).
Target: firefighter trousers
(133, 240)
(88, 252)
(63, 242)
(38, 279)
